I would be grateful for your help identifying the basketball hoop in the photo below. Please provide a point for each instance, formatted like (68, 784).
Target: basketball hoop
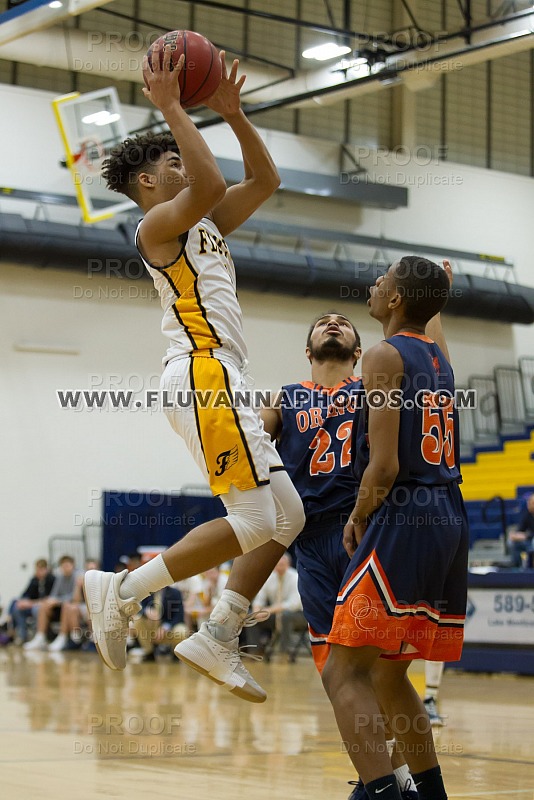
(88, 159)
(86, 148)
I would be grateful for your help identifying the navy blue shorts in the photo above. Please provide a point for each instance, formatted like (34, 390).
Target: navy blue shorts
(405, 589)
(322, 562)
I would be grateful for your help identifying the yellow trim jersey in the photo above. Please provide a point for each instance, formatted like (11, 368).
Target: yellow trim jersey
(198, 296)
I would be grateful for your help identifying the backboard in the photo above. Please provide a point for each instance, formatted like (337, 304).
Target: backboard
(90, 125)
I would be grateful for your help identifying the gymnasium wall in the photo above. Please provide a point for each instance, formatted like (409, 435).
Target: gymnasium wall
(56, 462)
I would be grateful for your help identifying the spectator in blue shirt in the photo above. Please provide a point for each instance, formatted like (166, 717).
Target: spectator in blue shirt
(50, 608)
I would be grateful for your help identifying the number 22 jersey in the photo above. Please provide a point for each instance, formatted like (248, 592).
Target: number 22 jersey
(315, 443)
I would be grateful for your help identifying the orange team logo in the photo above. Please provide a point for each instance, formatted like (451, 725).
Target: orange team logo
(363, 610)
(435, 362)
(226, 459)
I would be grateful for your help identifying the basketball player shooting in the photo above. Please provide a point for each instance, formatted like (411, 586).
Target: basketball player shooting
(188, 210)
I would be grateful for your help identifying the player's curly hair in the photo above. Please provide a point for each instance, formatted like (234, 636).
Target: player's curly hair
(136, 154)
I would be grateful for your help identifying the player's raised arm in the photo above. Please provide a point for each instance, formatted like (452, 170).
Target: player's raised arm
(197, 169)
(434, 329)
(261, 176)
(382, 371)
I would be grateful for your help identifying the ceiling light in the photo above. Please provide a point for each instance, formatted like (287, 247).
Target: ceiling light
(109, 119)
(323, 52)
(55, 4)
(100, 118)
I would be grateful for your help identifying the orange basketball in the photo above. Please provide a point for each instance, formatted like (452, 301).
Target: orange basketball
(202, 70)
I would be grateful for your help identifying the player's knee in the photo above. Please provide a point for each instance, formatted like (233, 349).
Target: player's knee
(295, 515)
(386, 679)
(380, 683)
(290, 518)
(266, 523)
(253, 519)
(328, 677)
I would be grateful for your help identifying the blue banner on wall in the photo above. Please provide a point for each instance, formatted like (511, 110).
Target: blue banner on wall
(136, 519)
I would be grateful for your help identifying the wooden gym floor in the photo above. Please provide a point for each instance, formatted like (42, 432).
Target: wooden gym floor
(70, 728)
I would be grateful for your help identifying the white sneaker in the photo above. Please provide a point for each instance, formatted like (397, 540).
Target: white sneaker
(109, 614)
(226, 622)
(221, 662)
(58, 644)
(37, 643)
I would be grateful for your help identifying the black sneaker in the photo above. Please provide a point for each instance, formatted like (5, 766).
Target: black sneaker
(358, 793)
(406, 794)
(432, 711)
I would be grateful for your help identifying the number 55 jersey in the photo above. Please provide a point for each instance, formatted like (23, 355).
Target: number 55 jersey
(406, 586)
(429, 451)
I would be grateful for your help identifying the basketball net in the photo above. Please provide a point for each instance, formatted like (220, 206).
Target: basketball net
(88, 159)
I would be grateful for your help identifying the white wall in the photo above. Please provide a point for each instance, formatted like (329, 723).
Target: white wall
(54, 463)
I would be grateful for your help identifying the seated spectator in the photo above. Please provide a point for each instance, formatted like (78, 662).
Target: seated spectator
(521, 539)
(203, 592)
(129, 562)
(27, 606)
(73, 615)
(161, 622)
(281, 598)
(50, 607)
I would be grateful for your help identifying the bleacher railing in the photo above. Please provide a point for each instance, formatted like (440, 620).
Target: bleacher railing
(486, 414)
(509, 384)
(526, 365)
(505, 403)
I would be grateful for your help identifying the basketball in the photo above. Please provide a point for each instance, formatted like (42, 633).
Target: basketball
(202, 70)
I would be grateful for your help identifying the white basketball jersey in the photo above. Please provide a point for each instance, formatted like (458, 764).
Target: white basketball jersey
(198, 297)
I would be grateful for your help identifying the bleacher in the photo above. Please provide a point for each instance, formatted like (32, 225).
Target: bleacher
(498, 455)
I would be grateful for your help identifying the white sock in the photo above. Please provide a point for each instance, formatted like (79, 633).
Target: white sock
(404, 779)
(390, 744)
(149, 578)
(39, 637)
(226, 619)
